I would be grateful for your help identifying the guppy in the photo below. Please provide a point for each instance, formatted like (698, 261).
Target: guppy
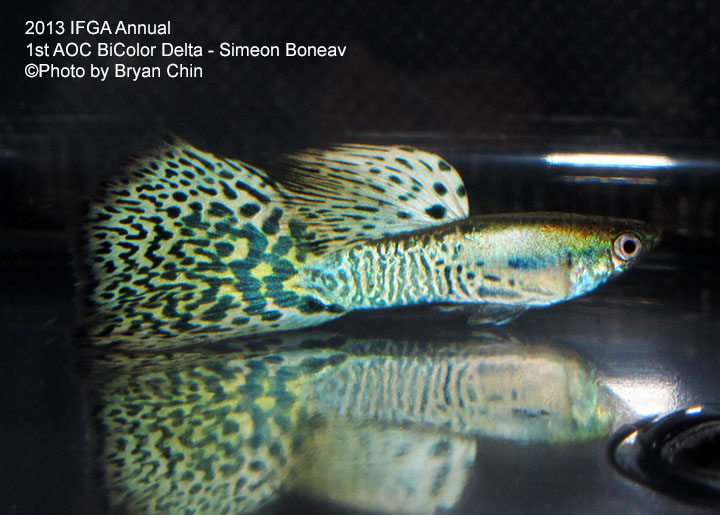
(376, 424)
(192, 247)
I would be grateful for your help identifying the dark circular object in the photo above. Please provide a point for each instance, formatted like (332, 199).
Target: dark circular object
(677, 454)
(629, 247)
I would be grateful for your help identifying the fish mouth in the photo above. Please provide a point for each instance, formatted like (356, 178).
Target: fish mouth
(654, 236)
(650, 238)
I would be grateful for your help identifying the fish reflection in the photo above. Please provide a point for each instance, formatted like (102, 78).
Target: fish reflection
(370, 423)
(383, 468)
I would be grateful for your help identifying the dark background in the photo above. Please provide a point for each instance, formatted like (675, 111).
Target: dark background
(641, 75)
(489, 85)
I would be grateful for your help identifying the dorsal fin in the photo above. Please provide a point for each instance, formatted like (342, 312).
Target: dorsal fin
(353, 193)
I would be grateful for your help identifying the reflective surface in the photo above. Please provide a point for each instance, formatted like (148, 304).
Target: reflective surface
(677, 453)
(371, 423)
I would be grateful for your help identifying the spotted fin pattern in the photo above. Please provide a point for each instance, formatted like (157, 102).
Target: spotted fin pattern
(192, 247)
(197, 434)
(353, 193)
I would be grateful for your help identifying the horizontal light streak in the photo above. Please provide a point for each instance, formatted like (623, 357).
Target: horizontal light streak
(609, 160)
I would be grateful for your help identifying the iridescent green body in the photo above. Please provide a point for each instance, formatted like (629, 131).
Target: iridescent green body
(195, 247)
(372, 423)
(517, 260)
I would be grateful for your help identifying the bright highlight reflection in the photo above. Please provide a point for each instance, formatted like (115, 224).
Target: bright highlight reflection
(645, 395)
(695, 410)
(609, 160)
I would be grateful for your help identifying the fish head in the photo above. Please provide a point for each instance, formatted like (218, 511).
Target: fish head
(603, 248)
(538, 259)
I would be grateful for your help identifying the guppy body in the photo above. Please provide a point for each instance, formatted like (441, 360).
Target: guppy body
(195, 247)
(552, 257)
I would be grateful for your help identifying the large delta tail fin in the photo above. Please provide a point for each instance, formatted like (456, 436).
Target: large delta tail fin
(176, 249)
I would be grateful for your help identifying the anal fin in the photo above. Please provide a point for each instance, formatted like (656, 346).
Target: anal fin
(480, 314)
(496, 314)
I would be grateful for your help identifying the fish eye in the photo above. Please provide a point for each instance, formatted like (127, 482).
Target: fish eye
(627, 246)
